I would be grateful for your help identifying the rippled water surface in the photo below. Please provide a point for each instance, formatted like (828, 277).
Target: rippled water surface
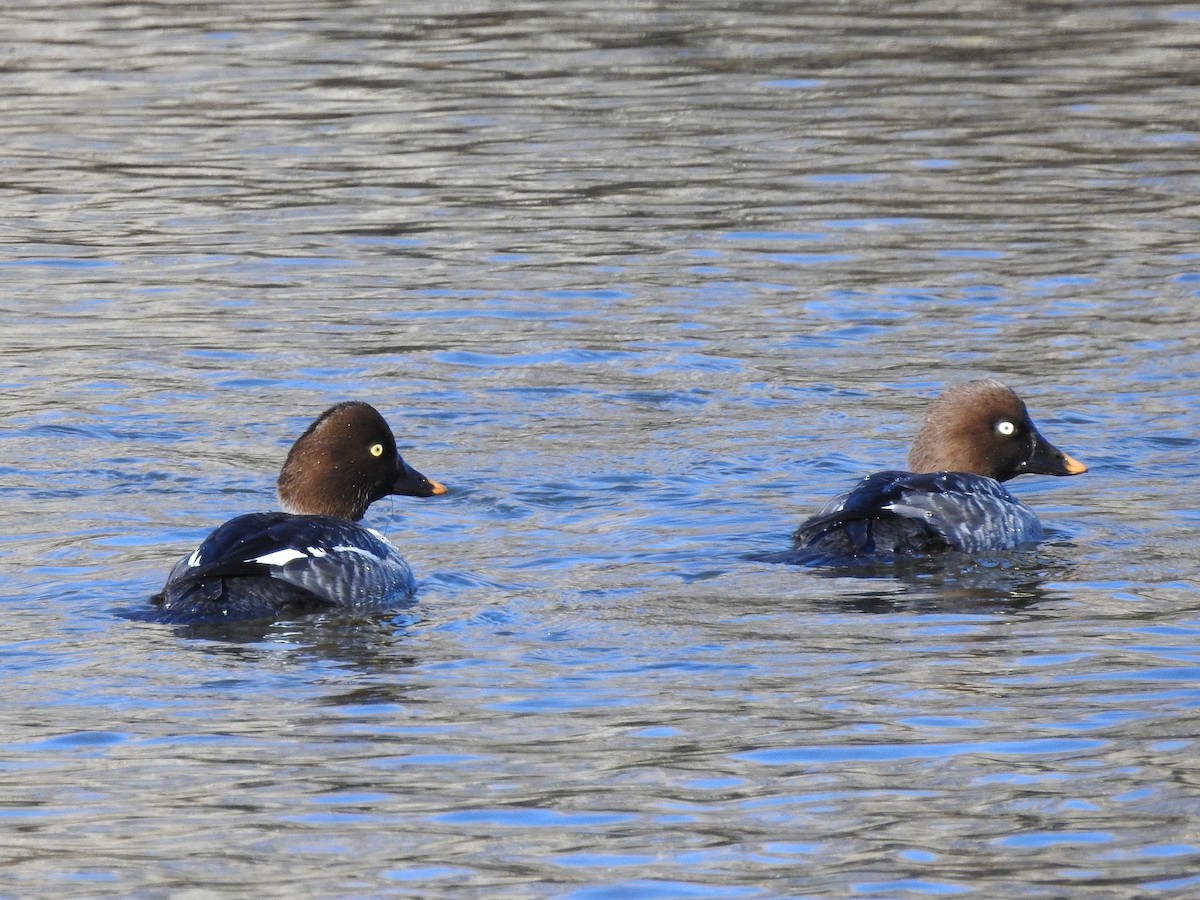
(644, 283)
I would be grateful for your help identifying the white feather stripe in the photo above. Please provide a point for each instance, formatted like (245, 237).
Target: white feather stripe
(280, 557)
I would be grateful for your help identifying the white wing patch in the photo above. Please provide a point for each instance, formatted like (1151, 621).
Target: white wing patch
(280, 557)
(907, 509)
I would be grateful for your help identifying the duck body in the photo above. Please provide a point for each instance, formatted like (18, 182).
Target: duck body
(915, 513)
(275, 565)
(312, 556)
(974, 437)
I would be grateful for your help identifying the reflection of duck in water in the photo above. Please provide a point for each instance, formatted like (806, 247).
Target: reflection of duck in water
(313, 556)
(975, 436)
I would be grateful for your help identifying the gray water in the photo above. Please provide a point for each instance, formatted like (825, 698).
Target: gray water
(644, 283)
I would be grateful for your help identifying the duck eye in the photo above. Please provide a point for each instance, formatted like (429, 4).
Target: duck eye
(1006, 428)
(377, 449)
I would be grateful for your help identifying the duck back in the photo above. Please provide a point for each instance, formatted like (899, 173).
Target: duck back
(270, 565)
(907, 513)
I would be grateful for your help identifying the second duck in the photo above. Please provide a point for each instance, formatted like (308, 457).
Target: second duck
(975, 436)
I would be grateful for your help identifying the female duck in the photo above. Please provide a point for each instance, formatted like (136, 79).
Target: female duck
(313, 556)
(975, 436)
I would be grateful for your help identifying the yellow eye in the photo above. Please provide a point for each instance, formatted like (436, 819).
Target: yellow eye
(377, 449)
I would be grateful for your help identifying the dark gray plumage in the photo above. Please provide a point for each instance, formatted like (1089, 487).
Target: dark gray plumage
(274, 565)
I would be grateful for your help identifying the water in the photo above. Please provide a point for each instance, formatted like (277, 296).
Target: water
(644, 283)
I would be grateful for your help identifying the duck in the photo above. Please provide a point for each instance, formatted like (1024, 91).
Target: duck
(974, 437)
(311, 555)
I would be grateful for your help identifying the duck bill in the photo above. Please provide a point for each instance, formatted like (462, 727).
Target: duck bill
(412, 483)
(1047, 459)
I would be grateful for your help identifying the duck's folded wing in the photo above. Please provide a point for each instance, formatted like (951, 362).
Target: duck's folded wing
(910, 513)
(257, 564)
